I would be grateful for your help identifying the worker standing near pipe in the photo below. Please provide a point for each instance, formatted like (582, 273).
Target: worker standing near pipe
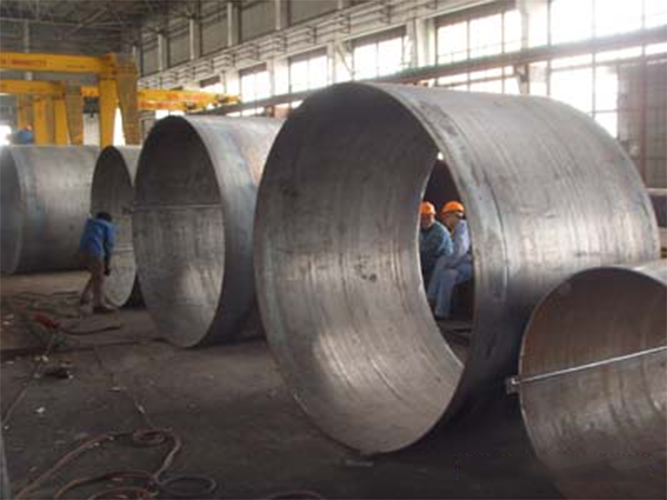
(96, 247)
(454, 267)
(434, 240)
(24, 136)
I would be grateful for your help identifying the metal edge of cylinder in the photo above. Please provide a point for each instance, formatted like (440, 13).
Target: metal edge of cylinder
(129, 157)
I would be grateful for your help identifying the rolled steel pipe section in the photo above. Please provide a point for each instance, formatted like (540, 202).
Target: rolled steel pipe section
(45, 200)
(196, 190)
(593, 382)
(113, 192)
(547, 193)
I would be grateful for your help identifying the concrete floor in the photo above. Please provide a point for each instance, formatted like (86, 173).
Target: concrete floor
(235, 417)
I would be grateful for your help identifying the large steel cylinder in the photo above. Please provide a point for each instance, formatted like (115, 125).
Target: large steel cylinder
(113, 192)
(547, 192)
(45, 197)
(196, 190)
(593, 382)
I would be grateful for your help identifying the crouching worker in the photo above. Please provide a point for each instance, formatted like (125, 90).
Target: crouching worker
(434, 240)
(455, 267)
(96, 247)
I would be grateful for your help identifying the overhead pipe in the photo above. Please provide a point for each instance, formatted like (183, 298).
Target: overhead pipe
(593, 383)
(196, 189)
(45, 200)
(547, 193)
(113, 192)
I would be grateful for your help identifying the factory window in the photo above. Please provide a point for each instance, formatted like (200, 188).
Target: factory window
(478, 34)
(255, 84)
(5, 132)
(163, 113)
(308, 71)
(379, 55)
(213, 85)
(494, 80)
(572, 20)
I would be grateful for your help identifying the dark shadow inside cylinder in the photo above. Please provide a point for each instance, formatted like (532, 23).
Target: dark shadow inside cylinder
(179, 232)
(11, 215)
(370, 363)
(113, 192)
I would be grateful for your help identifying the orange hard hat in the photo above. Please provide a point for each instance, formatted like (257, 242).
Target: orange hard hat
(453, 206)
(427, 208)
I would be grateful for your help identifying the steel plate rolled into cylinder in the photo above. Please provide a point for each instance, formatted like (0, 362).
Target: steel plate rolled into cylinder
(196, 191)
(593, 382)
(45, 200)
(113, 192)
(547, 192)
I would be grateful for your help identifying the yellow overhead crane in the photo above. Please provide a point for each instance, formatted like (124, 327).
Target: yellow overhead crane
(45, 91)
(117, 82)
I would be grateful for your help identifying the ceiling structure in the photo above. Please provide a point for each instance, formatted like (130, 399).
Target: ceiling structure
(82, 26)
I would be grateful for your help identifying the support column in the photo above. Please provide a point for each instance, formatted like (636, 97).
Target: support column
(233, 21)
(43, 120)
(340, 60)
(279, 74)
(162, 51)
(126, 90)
(61, 135)
(195, 34)
(26, 45)
(232, 82)
(421, 33)
(24, 114)
(107, 102)
(74, 110)
(534, 32)
(281, 14)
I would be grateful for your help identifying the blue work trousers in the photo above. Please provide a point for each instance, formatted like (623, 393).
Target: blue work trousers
(442, 285)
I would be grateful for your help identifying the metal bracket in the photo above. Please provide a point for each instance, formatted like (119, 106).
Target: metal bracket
(512, 384)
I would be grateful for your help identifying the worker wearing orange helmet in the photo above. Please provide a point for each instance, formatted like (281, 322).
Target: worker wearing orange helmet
(455, 267)
(434, 240)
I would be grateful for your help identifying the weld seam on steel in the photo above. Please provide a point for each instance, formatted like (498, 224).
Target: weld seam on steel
(588, 366)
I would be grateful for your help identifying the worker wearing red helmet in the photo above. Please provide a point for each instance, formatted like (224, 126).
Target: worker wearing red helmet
(434, 240)
(455, 267)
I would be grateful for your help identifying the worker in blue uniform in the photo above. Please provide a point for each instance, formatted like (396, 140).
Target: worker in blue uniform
(24, 136)
(96, 247)
(453, 268)
(434, 240)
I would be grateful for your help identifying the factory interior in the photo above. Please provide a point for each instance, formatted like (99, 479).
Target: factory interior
(333, 249)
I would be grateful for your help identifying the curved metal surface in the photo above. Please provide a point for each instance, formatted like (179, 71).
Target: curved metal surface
(196, 190)
(547, 193)
(593, 382)
(45, 198)
(5, 490)
(113, 192)
(659, 201)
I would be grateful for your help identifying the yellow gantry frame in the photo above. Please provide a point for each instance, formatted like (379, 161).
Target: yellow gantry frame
(117, 83)
(68, 108)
